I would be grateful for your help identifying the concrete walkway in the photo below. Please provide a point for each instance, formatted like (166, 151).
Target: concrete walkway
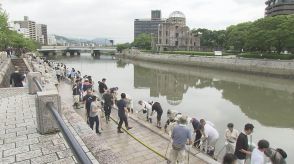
(127, 147)
(19, 141)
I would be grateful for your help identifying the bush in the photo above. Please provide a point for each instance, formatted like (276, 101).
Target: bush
(267, 56)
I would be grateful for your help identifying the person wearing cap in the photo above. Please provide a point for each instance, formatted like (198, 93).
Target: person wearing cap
(95, 109)
(122, 110)
(181, 135)
(258, 156)
(16, 78)
(197, 127)
(231, 136)
(210, 136)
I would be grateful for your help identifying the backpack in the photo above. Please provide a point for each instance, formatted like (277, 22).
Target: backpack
(282, 152)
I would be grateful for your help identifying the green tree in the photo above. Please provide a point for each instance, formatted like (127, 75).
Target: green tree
(236, 36)
(211, 39)
(120, 47)
(9, 38)
(143, 41)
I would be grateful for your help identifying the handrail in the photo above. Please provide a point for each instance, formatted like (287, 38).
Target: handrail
(76, 148)
(38, 84)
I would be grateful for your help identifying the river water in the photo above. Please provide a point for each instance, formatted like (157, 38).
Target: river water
(218, 96)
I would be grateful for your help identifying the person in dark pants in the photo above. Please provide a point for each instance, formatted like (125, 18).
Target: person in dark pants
(196, 126)
(102, 86)
(108, 103)
(122, 109)
(94, 114)
(242, 147)
(16, 78)
(157, 107)
(87, 99)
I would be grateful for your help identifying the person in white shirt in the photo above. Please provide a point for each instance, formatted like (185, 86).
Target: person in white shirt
(146, 108)
(257, 156)
(210, 137)
(231, 136)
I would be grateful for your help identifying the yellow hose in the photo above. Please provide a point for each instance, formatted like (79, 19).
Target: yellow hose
(141, 142)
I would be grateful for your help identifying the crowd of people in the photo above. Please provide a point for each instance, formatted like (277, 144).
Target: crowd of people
(100, 104)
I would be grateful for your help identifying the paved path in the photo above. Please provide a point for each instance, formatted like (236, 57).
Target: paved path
(128, 148)
(19, 141)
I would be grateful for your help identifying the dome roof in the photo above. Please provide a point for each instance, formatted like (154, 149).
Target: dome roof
(177, 14)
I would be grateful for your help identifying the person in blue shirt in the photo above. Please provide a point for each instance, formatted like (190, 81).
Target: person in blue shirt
(122, 110)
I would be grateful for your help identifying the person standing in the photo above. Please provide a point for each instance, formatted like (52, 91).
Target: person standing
(102, 86)
(76, 93)
(181, 135)
(16, 78)
(257, 156)
(242, 147)
(108, 103)
(231, 136)
(122, 110)
(157, 107)
(95, 109)
(197, 127)
(210, 137)
(87, 100)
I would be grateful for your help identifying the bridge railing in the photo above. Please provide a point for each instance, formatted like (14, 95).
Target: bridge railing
(49, 118)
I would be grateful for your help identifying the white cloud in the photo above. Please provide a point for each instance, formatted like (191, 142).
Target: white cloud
(115, 18)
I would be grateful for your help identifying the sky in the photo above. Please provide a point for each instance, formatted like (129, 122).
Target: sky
(114, 19)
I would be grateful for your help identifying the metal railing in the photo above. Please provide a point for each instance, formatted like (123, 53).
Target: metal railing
(76, 148)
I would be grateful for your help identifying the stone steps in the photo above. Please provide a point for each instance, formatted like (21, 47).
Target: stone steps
(21, 64)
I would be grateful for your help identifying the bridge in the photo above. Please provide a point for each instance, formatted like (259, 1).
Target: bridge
(72, 50)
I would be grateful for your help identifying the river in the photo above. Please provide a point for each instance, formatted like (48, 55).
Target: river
(218, 96)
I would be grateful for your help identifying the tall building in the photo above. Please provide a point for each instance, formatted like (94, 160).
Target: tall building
(279, 7)
(174, 34)
(41, 32)
(148, 26)
(30, 25)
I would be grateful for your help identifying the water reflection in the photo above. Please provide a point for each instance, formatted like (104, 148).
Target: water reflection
(269, 106)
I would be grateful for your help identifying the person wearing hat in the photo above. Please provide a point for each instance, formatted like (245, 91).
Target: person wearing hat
(181, 135)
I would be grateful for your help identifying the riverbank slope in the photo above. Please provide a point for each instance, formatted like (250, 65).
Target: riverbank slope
(277, 68)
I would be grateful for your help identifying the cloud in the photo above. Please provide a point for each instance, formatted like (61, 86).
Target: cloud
(115, 18)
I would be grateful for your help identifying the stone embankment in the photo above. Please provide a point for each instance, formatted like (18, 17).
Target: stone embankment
(279, 68)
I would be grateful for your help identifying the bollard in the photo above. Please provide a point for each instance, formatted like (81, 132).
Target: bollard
(45, 121)
(33, 89)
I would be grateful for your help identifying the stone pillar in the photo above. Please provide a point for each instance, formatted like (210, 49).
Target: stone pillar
(45, 121)
(33, 89)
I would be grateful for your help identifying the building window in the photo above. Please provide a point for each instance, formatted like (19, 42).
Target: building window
(177, 27)
(159, 33)
(166, 33)
(166, 41)
(177, 43)
(177, 35)
(159, 41)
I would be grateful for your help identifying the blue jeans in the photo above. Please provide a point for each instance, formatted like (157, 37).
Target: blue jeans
(92, 121)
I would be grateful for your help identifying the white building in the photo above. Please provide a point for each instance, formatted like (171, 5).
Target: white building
(52, 40)
(16, 27)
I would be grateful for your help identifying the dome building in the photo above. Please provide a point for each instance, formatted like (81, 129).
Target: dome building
(279, 7)
(174, 34)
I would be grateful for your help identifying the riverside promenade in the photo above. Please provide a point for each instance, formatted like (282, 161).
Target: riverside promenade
(20, 141)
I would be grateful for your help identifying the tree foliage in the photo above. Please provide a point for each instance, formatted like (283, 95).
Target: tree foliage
(211, 38)
(270, 34)
(120, 47)
(9, 38)
(142, 41)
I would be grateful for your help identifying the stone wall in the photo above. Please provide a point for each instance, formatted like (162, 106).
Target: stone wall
(6, 68)
(280, 68)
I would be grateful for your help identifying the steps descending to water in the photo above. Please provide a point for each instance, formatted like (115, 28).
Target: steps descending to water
(21, 65)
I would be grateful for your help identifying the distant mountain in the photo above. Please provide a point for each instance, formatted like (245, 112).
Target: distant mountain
(98, 41)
